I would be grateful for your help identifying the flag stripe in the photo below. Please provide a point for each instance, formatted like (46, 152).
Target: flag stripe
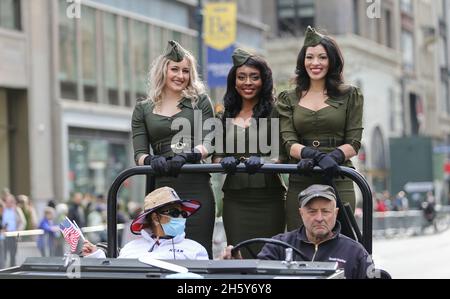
(71, 234)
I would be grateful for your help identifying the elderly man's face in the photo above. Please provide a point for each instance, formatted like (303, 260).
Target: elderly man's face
(319, 218)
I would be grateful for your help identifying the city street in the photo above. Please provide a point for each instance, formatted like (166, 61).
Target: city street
(415, 257)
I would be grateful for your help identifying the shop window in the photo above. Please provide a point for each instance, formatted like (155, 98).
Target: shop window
(126, 79)
(110, 58)
(67, 54)
(140, 46)
(95, 159)
(88, 59)
(10, 14)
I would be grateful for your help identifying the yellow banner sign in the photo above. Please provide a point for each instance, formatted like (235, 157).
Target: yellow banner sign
(220, 24)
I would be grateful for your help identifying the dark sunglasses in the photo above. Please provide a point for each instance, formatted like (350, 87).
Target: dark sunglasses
(175, 213)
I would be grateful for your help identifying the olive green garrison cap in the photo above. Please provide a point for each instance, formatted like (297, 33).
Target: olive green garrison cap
(240, 56)
(174, 51)
(312, 37)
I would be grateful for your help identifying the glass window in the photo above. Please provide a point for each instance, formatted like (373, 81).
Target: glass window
(407, 42)
(157, 42)
(191, 44)
(126, 61)
(388, 29)
(294, 16)
(110, 58)
(88, 59)
(140, 54)
(176, 36)
(95, 160)
(406, 6)
(10, 14)
(67, 54)
(392, 110)
(356, 28)
(445, 101)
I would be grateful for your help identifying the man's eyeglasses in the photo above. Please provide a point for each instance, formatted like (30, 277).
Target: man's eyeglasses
(174, 213)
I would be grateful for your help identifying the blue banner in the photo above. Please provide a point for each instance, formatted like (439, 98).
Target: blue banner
(219, 64)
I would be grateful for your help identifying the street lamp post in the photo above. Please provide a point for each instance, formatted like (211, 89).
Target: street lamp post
(199, 17)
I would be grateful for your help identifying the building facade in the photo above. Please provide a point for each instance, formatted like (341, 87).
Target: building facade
(70, 76)
(395, 51)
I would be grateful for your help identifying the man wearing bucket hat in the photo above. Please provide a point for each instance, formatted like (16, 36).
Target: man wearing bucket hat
(319, 237)
(161, 227)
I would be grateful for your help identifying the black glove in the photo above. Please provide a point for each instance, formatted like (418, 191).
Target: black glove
(338, 156)
(179, 160)
(229, 164)
(158, 163)
(253, 163)
(194, 156)
(324, 161)
(305, 166)
(176, 163)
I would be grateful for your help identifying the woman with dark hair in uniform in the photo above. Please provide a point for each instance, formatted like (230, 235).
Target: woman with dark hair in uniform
(320, 120)
(253, 204)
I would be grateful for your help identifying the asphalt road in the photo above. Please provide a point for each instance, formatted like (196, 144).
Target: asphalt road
(425, 256)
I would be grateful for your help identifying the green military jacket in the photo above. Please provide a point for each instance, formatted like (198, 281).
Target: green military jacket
(151, 129)
(339, 123)
(244, 142)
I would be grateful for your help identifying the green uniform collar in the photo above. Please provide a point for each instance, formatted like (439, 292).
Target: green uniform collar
(186, 102)
(312, 37)
(174, 51)
(294, 95)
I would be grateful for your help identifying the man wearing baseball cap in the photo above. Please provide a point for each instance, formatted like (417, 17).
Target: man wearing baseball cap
(161, 227)
(319, 237)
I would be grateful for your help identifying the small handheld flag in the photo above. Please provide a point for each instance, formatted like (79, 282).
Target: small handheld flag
(79, 229)
(71, 234)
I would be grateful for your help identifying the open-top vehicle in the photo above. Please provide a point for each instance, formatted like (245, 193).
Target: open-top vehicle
(72, 266)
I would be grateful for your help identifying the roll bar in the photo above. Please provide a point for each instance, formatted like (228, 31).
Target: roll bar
(217, 168)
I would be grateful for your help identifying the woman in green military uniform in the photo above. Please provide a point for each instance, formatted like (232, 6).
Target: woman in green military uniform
(320, 120)
(253, 204)
(176, 106)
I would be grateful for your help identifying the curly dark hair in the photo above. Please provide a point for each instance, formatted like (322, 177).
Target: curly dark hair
(233, 101)
(334, 80)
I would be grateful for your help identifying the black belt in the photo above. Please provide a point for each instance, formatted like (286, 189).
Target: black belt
(322, 142)
(162, 148)
(245, 157)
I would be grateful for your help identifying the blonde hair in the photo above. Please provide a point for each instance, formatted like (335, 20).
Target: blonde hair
(158, 75)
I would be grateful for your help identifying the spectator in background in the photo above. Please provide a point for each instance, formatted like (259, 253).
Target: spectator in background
(76, 210)
(28, 210)
(386, 197)
(2, 236)
(51, 203)
(429, 210)
(400, 202)
(122, 217)
(12, 220)
(46, 242)
(96, 217)
(62, 211)
(380, 206)
(134, 209)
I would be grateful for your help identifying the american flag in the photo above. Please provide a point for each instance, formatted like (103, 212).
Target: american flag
(71, 234)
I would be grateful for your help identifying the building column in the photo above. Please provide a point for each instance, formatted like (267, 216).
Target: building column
(36, 25)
